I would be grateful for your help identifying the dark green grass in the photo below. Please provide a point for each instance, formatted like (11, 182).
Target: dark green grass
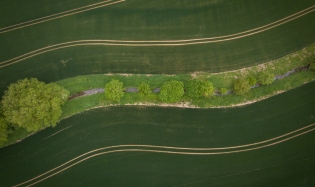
(290, 162)
(144, 20)
(15, 11)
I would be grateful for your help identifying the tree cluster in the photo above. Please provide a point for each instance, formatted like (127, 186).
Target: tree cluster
(242, 85)
(33, 105)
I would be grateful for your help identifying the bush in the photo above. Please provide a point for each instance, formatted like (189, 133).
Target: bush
(223, 91)
(196, 88)
(33, 105)
(144, 89)
(114, 90)
(3, 131)
(312, 66)
(241, 86)
(266, 78)
(171, 91)
(251, 81)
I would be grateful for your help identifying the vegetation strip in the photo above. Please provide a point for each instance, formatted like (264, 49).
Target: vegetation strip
(164, 43)
(200, 90)
(157, 90)
(168, 150)
(58, 15)
(285, 69)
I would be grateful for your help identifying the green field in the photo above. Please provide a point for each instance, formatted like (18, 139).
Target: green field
(268, 143)
(288, 163)
(141, 20)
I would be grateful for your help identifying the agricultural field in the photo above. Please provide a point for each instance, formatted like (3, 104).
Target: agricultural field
(266, 143)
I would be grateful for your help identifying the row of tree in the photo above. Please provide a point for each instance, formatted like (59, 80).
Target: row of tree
(243, 85)
(172, 91)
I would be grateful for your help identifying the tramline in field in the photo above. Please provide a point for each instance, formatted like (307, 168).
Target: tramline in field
(266, 143)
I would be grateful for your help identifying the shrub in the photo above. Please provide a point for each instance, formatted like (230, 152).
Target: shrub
(251, 81)
(266, 78)
(33, 105)
(241, 86)
(171, 91)
(312, 66)
(196, 88)
(223, 91)
(114, 90)
(144, 89)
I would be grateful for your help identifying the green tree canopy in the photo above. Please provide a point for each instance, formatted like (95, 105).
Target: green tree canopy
(171, 91)
(33, 105)
(266, 78)
(241, 86)
(3, 131)
(144, 89)
(311, 61)
(114, 90)
(223, 91)
(197, 88)
(251, 81)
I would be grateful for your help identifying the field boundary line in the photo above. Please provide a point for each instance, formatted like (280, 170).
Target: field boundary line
(169, 150)
(58, 15)
(161, 43)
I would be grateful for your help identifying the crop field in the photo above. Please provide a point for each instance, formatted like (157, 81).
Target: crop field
(268, 143)
(263, 144)
(137, 36)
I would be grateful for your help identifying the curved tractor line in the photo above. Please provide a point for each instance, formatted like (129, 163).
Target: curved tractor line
(170, 150)
(58, 15)
(165, 43)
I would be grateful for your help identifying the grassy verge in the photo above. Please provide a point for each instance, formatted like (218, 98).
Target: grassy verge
(81, 104)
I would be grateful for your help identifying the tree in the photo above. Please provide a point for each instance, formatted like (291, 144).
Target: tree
(171, 91)
(241, 86)
(3, 131)
(266, 78)
(223, 91)
(144, 89)
(311, 61)
(251, 81)
(33, 105)
(196, 88)
(114, 90)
